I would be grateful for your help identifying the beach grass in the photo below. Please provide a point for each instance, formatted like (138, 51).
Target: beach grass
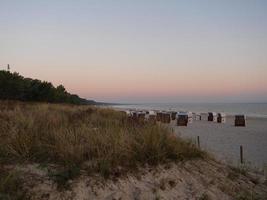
(99, 140)
(11, 185)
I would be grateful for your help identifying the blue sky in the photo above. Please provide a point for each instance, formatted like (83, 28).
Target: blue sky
(141, 51)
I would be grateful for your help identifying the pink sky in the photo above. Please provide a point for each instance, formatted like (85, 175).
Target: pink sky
(141, 51)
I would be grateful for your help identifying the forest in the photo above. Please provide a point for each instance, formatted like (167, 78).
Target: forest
(13, 86)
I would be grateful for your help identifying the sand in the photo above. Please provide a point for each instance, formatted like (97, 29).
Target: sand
(224, 140)
(198, 179)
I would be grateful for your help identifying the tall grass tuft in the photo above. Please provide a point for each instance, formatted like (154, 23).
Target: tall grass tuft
(11, 185)
(102, 139)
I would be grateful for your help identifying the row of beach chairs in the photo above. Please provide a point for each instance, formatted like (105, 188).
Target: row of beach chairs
(182, 118)
(240, 120)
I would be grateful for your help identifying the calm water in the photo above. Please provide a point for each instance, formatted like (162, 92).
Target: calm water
(224, 140)
(250, 109)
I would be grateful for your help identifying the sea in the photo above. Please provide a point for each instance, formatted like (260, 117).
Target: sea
(223, 140)
(248, 109)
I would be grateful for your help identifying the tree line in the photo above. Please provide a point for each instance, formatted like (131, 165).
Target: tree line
(15, 87)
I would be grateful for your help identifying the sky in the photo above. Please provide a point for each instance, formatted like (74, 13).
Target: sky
(140, 51)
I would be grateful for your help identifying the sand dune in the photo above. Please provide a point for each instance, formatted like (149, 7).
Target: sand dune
(199, 179)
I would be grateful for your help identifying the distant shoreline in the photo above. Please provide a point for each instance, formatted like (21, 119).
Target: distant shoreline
(255, 110)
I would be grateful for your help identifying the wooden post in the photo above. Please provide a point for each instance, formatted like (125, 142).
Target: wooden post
(241, 154)
(265, 171)
(198, 142)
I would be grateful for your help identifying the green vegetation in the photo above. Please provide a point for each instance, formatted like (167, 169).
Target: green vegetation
(62, 176)
(249, 195)
(15, 87)
(11, 185)
(84, 137)
(64, 141)
(235, 172)
(204, 196)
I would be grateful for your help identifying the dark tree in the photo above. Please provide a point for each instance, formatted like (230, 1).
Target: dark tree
(15, 87)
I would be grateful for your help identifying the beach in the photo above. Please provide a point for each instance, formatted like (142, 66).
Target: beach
(224, 140)
(56, 151)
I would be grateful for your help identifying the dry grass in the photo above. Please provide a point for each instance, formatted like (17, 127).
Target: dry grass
(11, 185)
(100, 139)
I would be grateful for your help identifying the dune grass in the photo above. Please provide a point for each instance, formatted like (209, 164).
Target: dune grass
(96, 139)
(11, 185)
